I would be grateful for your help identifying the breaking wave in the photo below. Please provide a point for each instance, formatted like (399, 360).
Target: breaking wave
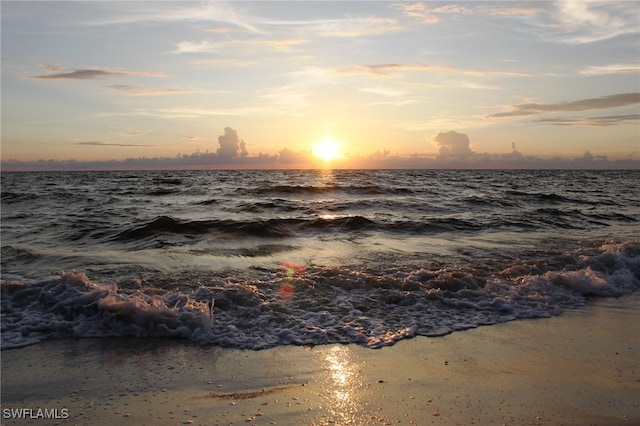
(315, 305)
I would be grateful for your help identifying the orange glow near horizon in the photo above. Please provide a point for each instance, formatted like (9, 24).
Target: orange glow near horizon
(328, 149)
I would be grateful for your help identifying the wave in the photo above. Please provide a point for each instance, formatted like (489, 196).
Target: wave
(69, 305)
(274, 228)
(316, 305)
(289, 227)
(17, 197)
(546, 198)
(326, 189)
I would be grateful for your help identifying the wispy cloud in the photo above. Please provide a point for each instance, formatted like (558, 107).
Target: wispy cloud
(58, 72)
(128, 133)
(212, 46)
(349, 26)
(219, 30)
(359, 27)
(608, 120)
(78, 74)
(294, 96)
(386, 70)
(591, 21)
(167, 12)
(144, 90)
(611, 69)
(511, 8)
(392, 96)
(433, 13)
(287, 99)
(178, 113)
(565, 21)
(605, 102)
(111, 144)
(427, 14)
(384, 91)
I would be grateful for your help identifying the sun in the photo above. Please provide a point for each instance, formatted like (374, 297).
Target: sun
(328, 149)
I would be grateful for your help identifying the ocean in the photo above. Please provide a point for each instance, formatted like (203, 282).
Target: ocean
(258, 259)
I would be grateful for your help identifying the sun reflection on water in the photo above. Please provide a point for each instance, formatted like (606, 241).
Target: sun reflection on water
(343, 385)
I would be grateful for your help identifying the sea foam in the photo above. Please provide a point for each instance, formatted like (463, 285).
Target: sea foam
(315, 305)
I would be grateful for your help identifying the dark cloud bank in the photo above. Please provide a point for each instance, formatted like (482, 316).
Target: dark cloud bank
(454, 152)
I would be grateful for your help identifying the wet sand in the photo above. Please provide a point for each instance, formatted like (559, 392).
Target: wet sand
(577, 369)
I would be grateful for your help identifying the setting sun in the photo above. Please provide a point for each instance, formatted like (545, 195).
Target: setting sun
(327, 149)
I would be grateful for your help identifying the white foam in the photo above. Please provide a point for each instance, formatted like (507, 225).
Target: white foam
(324, 305)
(69, 305)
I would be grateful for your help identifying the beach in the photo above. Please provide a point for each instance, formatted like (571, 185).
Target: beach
(578, 368)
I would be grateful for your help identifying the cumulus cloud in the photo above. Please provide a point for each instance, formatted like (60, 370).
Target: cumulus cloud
(454, 152)
(605, 102)
(453, 145)
(288, 157)
(231, 145)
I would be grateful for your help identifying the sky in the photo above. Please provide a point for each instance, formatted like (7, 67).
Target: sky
(303, 84)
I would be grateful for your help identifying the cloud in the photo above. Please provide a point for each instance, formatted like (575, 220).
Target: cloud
(611, 69)
(58, 72)
(384, 91)
(78, 75)
(172, 113)
(290, 99)
(288, 157)
(605, 102)
(453, 145)
(225, 17)
(565, 21)
(219, 30)
(231, 145)
(591, 21)
(145, 90)
(427, 14)
(343, 27)
(385, 70)
(210, 46)
(514, 113)
(607, 120)
(137, 13)
(356, 27)
(455, 152)
(294, 97)
(510, 9)
(112, 144)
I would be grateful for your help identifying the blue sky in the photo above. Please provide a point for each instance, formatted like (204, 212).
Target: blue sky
(264, 84)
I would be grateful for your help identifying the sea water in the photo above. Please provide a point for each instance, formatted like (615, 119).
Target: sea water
(257, 259)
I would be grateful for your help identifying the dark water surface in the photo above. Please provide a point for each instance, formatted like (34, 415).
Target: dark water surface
(308, 257)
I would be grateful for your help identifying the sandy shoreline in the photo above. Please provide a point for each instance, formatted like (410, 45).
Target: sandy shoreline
(579, 368)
